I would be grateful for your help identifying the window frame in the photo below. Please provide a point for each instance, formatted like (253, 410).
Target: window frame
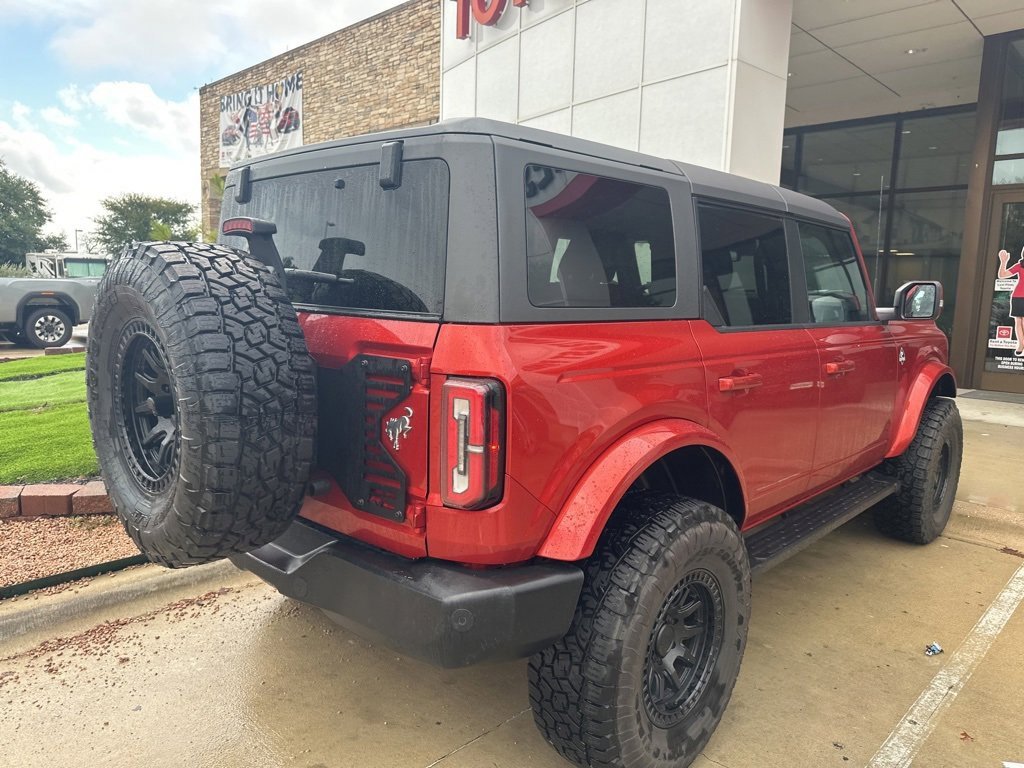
(860, 271)
(581, 220)
(798, 256)
(327, 160)
(799, 295)
(511, 160)
(798, 312)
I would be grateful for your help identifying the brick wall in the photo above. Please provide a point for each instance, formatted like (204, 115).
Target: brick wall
(381, 73)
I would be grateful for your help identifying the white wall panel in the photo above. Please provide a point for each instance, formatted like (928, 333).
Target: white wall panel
(545, 66)
(453, 50)
(755, 146)
(683, 38)
(458, 91)
(612, 120)
(497, 81)
(544, 9)
(763, 37)
(696, 80)
(609, 47)
(559, 122)
(685, 118)
(507, 26)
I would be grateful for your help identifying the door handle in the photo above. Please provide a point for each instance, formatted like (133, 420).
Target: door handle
(839, 366)
(738, 383)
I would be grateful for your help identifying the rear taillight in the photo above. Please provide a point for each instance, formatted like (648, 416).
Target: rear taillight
(473, 438)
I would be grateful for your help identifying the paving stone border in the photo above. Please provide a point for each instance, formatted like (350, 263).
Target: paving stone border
(54, 500)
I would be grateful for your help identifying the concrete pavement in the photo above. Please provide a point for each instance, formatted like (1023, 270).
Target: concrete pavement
(233, 674)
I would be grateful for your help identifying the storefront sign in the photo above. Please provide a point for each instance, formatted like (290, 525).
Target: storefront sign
(263, 119)
(486, 12)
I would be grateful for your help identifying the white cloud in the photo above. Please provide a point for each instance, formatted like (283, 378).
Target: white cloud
(20, 113)
(58, 117)
(164, 38)
(74, 176)
(173, 124)
(161, 41)
(72, 97)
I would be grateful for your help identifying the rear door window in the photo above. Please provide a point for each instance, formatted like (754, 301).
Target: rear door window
(597, 242)
(745, 266)
(389, 246)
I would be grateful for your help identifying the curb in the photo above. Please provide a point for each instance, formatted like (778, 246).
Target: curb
(20, 618)
(23, 588)
(54, 500)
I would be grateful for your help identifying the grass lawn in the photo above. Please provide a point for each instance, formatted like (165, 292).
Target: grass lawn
(44, 424)
(34, 367)
(58, 389)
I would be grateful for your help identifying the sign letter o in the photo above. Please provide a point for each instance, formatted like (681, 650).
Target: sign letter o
(487, 12)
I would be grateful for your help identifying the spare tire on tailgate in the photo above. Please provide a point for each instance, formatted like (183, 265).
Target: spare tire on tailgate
(202, 400)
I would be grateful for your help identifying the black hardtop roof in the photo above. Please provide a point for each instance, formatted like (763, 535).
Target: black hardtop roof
(704, 181)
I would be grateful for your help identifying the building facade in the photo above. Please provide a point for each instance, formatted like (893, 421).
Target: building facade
(381, 73)
(907, 115)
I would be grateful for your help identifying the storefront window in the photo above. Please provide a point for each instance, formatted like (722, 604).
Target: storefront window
(844, 160)
(1009, 163)
(1008, 171)
(868, 215)
(927, 232)
(936, 151)
(908, 215)
(788, 178)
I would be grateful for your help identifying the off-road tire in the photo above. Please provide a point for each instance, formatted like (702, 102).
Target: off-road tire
(202, 400)
(588, 691)
(928, 473)
(54, 316)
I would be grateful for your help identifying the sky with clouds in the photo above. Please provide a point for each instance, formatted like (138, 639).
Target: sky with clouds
(102, 95)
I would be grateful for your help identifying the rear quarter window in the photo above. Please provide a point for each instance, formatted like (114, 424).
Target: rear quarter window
(594, 241)
(389, 246)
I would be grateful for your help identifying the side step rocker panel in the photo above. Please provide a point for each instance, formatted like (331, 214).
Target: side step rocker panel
(798, 528)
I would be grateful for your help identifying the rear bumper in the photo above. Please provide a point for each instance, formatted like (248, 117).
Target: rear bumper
(440, 612)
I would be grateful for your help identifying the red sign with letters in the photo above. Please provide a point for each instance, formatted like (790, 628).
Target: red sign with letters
(486, 12)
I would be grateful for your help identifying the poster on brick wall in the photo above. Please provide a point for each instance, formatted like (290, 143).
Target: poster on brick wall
(262, 119)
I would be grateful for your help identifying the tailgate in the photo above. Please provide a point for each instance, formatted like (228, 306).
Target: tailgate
(373, 430)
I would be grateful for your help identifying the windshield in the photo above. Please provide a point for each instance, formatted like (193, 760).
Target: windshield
(388, 246)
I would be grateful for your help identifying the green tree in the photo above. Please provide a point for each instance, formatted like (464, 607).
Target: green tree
(23, 214)
(132, 217)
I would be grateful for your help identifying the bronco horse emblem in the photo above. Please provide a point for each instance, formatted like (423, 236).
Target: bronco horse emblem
(398, 427)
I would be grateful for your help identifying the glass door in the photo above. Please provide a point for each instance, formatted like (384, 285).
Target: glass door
(1000, 351)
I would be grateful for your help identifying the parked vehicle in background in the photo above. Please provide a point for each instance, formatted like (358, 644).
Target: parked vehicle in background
(71, 264)
(43, 312)
(485, 391)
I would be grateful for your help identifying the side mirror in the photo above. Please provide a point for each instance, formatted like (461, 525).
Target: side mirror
(918, 300)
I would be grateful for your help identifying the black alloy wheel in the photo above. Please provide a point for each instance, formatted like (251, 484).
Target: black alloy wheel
(684, 648)
(644, 674)
(928, 472)
(202, 400)
(149, 413)
(942, 475)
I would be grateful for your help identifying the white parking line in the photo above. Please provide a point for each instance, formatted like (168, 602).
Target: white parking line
(906, 739)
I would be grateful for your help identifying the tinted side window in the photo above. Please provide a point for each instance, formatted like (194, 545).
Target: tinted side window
(746, 270)
(835, 284)
(597, 242)
(387, 246)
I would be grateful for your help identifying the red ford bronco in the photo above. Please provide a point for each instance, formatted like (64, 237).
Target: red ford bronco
(488, 392)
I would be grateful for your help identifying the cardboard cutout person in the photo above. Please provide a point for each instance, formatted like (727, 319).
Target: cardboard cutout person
(1017, 297)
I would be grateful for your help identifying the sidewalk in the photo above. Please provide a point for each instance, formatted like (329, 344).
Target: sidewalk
(990, 499)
